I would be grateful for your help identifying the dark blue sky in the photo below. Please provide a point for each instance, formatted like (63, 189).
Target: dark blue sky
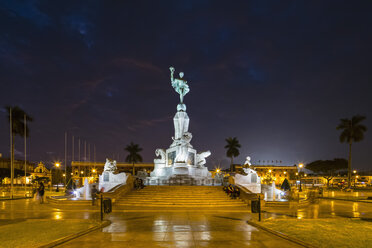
(276, 74)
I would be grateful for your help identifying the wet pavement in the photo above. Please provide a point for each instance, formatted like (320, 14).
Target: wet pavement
(180, 229)
(324, 209)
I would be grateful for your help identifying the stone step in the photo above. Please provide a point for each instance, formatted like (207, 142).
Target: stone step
(175, 197)
(192, 198)
(182, 205)
(180, 194)
(172, 198)
(181, 202)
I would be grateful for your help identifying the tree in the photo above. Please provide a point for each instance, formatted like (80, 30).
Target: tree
(285, 185)
(18, 125)
(133, 156)
(268, 178)
(352, 131)
(232, 149)
(327, 168)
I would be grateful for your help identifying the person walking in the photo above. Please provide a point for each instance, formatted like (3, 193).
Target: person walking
(41, 192)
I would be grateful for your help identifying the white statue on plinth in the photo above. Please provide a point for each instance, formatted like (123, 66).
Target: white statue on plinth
(180, 159)
(251, 180)
(110, 165)
(108, 179)
(248, 161)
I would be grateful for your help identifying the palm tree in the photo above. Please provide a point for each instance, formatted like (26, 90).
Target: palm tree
(352, 131)
(133, 156)
(232, 149)
(18, 128)
(18, 125)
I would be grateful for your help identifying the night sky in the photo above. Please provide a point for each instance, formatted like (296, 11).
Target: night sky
(278, 75)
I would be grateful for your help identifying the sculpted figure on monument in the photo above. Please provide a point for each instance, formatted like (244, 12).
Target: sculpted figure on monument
(248, 161)
(179, 85)
(110, 165)
(161, 153)
(200, 158)
(182, 151)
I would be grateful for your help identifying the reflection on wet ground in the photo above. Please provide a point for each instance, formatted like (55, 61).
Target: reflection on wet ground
(324, 209)
(180, 229)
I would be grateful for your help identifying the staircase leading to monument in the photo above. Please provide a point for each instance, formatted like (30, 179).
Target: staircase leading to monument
(170, 198)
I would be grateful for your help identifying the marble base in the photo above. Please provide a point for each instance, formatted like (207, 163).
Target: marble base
(109, 180)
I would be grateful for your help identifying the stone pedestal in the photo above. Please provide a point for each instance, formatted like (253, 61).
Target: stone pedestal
(180, 169)
(109, 180)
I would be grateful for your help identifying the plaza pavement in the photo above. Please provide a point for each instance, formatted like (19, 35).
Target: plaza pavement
(179, 228)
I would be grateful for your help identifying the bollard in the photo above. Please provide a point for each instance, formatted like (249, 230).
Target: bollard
(259, 207)
(101, 207)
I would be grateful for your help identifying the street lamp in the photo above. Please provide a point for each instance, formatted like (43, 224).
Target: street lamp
(300, 165)
(355, 177)
(57, 165)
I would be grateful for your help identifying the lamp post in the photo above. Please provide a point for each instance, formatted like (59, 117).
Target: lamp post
(355, 177)
(300, 165)
(57, 165)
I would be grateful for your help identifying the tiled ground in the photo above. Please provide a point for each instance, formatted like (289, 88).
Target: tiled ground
(179, 230)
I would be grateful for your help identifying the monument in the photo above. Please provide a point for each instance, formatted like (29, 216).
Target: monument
(180, 161)
(108, 179)
(251, 180)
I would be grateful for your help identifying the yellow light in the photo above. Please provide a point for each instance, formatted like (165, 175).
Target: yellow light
(64, 174)
(82, 172)
(285, 172)
(57, 164)
(218, 170)
(296, 173)
(357, 176)
(301, 165)
(305, 175)
(269, 171)
(94, 170)
(72, 174)
(354, 171)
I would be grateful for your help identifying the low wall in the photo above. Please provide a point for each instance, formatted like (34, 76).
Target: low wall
(120, 191)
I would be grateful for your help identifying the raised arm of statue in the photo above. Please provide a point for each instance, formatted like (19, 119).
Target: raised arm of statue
(172, 72)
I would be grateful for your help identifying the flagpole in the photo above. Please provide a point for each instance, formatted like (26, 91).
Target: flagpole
(25, 134)
(65, 158)
(11, 154)
(73, 154)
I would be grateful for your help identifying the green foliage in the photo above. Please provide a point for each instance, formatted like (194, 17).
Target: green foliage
(232, 147)
(285, 185)
(18, 120)
(352, 130)
(268, 178)
(327, 167)
(133, 156)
